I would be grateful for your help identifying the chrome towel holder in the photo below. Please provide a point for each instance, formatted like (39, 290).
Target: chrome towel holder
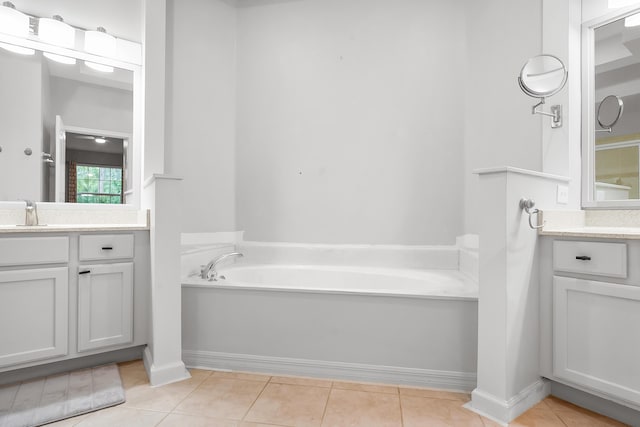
(528, 206)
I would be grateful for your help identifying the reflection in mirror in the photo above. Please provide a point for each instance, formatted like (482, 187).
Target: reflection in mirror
(543, 76)
(77, 123)
(609, 112)
(617, 71)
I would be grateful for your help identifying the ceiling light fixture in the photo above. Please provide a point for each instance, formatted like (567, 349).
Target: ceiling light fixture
(56, 32)
(14, 23)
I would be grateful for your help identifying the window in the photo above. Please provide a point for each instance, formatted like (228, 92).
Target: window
(99, 184)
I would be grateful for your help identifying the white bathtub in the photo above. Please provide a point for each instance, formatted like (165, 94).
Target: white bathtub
(449, 284)
(361, 322)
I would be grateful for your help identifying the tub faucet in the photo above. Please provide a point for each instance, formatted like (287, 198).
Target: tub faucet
(31, 213)
(209, 271)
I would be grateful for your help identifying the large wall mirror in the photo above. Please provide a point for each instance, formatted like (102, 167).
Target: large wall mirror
(611, 111)
(70, 110)
(66, 131)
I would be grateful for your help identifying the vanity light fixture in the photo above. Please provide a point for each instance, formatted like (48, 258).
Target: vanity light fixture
(14, 23)
(56, 32)
(100, 140)
(614, 4)
(632, 20)
(100, 43)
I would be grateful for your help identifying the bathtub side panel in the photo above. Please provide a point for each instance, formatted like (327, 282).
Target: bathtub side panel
(415, 333)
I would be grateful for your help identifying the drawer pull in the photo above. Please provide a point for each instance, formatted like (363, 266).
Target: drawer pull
(583, 258)
(84, 272)
(107, 248)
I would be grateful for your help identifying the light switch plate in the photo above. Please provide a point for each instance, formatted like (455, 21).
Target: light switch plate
(563, 194)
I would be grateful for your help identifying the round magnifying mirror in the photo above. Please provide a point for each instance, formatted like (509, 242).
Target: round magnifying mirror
(610, 111)
(542, 76)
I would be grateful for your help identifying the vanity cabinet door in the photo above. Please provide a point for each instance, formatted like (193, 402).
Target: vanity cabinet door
(596, 329)
(105, 305)
(33, 314)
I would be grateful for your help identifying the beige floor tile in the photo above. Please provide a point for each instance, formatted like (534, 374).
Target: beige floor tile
(132, 373)
(248, 424)
(422, 411)
(69, 422)
(180, 420)
(359, 408)
(573, 415)
(119, 416)
(223, 398)
(540, 415)
(489, 423)
(435, 394)
(289, 404)
(314, 382)
(375, 388)
(241, 376)
(164, 398)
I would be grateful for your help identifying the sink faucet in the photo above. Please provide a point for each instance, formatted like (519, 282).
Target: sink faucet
(209, 271)
(31, 213)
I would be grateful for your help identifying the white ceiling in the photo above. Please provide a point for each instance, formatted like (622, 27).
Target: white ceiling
(122, 18)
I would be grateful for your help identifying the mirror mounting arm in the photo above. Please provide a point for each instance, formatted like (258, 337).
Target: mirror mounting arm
(556, 113)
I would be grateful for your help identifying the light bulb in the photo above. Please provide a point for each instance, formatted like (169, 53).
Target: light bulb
(99, 67)
(59, 58)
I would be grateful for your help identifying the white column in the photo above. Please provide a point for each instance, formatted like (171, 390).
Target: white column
(163, 355)
(508, 308)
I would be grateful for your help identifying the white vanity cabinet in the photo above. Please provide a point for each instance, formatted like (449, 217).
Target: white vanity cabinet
(74, 294)
(590, 317)
(34, 298)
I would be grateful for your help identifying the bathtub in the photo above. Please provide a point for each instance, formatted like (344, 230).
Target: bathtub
(442, 284)
(412, 326)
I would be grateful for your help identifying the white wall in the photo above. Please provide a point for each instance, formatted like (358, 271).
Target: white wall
(350, 124)
(200, 111)
(499, 129)
(91, 106)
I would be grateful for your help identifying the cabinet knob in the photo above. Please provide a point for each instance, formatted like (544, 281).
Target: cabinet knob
(583, 258)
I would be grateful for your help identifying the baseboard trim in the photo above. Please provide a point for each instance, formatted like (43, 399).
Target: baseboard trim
(450, 380)
(164, 374)
(505, 411)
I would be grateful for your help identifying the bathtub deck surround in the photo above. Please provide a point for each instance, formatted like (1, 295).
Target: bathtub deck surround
(358, 312)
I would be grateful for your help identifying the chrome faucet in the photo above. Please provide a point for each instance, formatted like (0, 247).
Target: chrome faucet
(31, 213)
(209, 271)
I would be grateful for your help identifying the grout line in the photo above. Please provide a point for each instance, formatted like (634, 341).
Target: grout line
(326, 404)
(163, 418)
(190, 393)
(256, 399)
(400, 403)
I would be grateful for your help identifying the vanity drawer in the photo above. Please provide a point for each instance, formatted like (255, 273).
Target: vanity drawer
(34, 250)
(595, 258)
(101, 247)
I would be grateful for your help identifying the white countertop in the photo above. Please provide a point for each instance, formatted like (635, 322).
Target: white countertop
(594, 232)
(61, 228)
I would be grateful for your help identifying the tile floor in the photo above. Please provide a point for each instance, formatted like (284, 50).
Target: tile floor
(225, 399)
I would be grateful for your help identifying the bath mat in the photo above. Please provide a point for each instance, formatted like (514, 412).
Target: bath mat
(56, 397)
